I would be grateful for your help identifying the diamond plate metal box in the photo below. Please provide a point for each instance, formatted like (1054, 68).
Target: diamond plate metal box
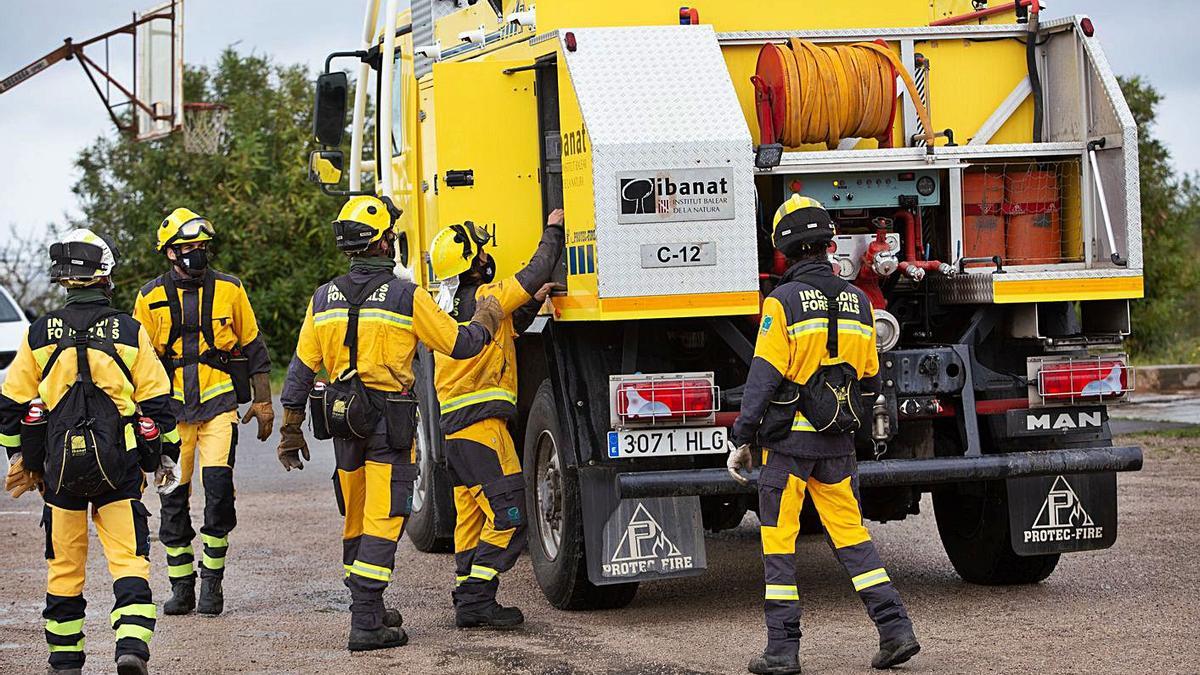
(672, 158)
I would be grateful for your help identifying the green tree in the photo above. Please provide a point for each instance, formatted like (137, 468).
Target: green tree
(272, 225)
(1166, 323)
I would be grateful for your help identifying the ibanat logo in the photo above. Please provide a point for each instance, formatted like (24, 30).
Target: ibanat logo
(1064, 421)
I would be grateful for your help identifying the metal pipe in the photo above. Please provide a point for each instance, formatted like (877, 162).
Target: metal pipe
(894, 472)
(358, 126)
(979, 14)
(383, 149)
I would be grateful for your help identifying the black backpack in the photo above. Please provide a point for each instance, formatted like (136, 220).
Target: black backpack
(348, 410)
(85, 433)
(831, 400)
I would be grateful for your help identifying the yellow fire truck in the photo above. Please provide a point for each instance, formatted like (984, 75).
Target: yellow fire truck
(980, 163)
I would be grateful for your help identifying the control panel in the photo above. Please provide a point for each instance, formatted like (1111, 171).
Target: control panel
(867, 189)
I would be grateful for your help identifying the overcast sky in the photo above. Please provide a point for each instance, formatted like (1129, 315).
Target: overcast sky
(45, 121)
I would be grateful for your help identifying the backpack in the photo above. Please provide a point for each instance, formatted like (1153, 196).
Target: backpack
(85, 432)
(348, 410)
(236, 365)
(831, 399)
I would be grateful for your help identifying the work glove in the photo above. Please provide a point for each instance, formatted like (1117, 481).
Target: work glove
(739, 458)
(556, 219)
(291, 440)
(167, 475)
(19, 481)
(488, 314)
(261, 408)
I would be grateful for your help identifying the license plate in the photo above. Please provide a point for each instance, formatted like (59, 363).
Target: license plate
(692, 254)
(664, 442)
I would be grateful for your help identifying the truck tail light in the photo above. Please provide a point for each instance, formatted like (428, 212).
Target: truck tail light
(666, 398)
(1087, 379)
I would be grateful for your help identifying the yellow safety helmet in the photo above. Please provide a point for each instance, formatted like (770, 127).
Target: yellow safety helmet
(454, 248)
(800, 221)
(184, 226)
(363, 221)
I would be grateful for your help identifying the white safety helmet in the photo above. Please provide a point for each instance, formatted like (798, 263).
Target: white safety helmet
(81, 258)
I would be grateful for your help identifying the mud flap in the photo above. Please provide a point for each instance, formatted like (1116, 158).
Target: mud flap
(639, 539)
(1062, 514)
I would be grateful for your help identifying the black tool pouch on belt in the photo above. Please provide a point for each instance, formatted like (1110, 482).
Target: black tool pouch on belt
(316, 413)
(781, 412)
(831, 400)
(400, 416)
(350, 410)
(86, 452)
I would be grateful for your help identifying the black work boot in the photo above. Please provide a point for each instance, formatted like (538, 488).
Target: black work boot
(131, 664)
(183, 597)
(775, 664)
(492, 616)
(212, 598)
(364, 640)
(392, 618)
(51, 670)
(896, 651)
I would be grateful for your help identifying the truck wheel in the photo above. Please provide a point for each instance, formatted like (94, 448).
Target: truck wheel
(972, 520)
(552, 498)
(422, 524)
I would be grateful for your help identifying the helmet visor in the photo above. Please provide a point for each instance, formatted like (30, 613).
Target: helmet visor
(76, 260)
(352, 236)
(194, 228)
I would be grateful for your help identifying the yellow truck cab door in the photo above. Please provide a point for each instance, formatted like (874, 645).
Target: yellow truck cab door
(488, 155)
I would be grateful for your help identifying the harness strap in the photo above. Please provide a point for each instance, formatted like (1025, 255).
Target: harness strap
(81, 325)
(356, 295)
(831, 288)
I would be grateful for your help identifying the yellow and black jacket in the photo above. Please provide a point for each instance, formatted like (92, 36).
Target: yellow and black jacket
(137, 382)
(792, 344)
(201, 392)
(485, 386)
(390, 323)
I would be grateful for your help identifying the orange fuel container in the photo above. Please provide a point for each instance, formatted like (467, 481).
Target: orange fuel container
(983, 217)
(1033, 218)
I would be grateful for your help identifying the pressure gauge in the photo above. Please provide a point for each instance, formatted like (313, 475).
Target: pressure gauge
(926, 186)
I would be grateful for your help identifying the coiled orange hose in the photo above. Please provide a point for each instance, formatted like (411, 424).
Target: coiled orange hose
(843, 92)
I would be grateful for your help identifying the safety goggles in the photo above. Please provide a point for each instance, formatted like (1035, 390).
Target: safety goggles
(192, 229)
(352, 236)
(469, 232)
(75, 260)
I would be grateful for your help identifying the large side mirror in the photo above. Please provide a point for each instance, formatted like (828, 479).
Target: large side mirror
(325, 166)
(329, 109)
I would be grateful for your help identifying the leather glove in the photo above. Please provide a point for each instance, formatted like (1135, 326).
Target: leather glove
(291, 440)
(488, 314)
(167, 476)
(19, 481)
(261, 408)
(739, 458)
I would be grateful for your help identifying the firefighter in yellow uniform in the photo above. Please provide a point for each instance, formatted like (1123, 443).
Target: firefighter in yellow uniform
(205, 332)
(797, 345)
(362, 328)
(477, 397)
(93, 367)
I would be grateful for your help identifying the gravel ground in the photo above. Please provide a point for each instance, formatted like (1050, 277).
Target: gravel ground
(1127, 609)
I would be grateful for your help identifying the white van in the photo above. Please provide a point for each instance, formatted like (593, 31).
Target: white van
(12, 329)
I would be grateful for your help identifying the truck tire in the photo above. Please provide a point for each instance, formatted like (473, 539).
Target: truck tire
(432, 484)
(972, 521)
(552, 498)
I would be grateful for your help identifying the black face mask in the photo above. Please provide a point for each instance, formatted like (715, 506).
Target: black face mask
(193, 262)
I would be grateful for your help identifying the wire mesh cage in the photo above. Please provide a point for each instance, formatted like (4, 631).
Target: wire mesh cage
(204, 127)
(1028, 214)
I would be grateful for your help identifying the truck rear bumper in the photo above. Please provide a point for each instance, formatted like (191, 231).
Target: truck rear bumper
(889, 472)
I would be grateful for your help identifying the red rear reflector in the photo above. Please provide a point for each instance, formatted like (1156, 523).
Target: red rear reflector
(665, 399)
(1089, 28)
(1084, 379)
(572, 45)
